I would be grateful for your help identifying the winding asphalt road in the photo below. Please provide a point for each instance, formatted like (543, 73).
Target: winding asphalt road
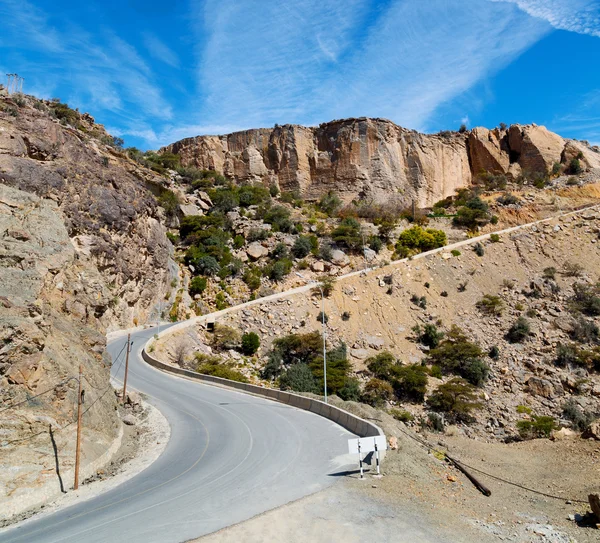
(231, 456)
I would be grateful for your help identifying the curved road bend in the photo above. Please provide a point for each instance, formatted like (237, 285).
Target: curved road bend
(231, 456)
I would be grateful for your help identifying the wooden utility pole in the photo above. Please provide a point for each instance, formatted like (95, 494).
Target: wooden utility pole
(78, 446)
(126, 369)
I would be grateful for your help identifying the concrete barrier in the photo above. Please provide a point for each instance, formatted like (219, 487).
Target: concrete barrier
(350, 422)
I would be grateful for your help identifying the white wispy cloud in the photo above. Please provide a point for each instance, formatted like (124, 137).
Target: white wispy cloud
(324, 59)
(103, 70)
(160, 51)
(581, 16)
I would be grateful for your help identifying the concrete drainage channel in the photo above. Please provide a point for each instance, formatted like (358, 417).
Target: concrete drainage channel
(350, 422)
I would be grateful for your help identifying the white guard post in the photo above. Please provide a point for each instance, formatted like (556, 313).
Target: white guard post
(367, 444)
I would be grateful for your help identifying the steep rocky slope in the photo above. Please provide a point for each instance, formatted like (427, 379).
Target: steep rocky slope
(82, 251)
(109, 211)
(376, 312)
(376, 159)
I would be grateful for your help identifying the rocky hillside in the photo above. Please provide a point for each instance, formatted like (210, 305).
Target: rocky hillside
(525, 303)
(82, 251)
(374, 159)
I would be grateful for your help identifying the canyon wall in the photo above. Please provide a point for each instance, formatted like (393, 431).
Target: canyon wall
(374, 159)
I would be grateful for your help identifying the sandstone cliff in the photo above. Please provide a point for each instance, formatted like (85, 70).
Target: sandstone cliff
(110, 214)
(376, 159)
(82, 250)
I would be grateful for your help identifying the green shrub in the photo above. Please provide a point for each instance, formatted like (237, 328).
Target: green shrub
(519, 331)
(302, 247)
(490, 305)
(507, 199)
(375, 244)
(479, 249)
(377, 392)
(350, 392)
(212, 365)
(250, 343)
(584, 331)
(322, 317)
(173, 238)
(575, 167)
(238, 241)
(435, 422)
(330, 203)
(494, 352)
(523, 409)
(409, 382)
(252, 278)
(346, 315)
(541, 426)
(428, 335)
(250, 195)
(473, 214)
(225, 199)
(225, 337)
(348, 234)
(257, 234)
(456, 354)
(494, 238)
(326, 284)
(299, 378)
(549, 273)
(207, 265)
(278, 217)
(457, 398)
(277, 270)
(580, 421)
(586, 299)
(197, 285)
(455, 252)
(169, 201)
(401, 415)
(380, 365)
(417, 240)
(279, 251)
(295, 348)
(419, 301)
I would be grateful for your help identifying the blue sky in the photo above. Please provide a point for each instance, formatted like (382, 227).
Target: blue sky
(155, 72)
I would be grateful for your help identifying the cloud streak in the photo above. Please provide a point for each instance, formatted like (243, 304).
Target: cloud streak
(103, 70)
(581, 16)
(329, 59)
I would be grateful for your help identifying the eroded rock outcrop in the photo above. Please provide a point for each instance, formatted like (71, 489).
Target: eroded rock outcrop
(374, 159)
(110, 214)
(49, 299)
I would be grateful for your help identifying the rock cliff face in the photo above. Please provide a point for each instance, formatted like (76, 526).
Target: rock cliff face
(376, 159)
(110, 214)
(49, 299)
(82, 250)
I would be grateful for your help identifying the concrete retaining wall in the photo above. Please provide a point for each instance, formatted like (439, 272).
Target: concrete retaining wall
(352, 423)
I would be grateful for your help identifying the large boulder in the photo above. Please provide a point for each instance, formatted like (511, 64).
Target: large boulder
(541, 387)
(534, 147)
(593, 431)
(256, 251)
(486, 153)
(339, 258)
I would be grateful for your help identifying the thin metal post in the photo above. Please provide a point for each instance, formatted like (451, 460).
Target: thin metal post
(126, 369)
(360, 461)
(376, 455)
(324, 345)
(78, 445)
